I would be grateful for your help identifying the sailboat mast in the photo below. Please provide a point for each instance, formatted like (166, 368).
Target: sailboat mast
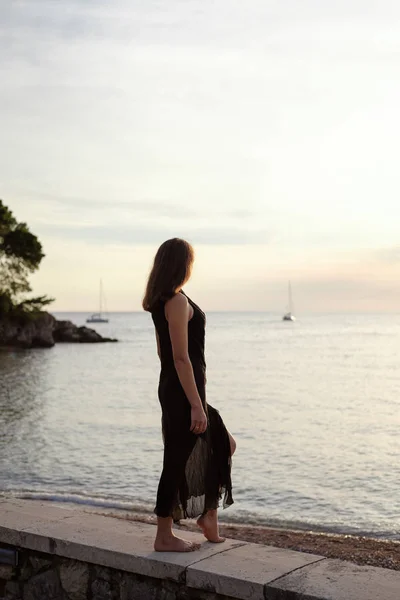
(101, 296)
(290, 298)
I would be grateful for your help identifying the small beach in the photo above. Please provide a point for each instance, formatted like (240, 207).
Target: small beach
(357, 549)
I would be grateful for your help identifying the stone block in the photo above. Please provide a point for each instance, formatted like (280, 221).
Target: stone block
(12, 591)
(119, 544)
(45, 586)
(39, 563)
(101, 590)
(74, 577)
(17, 515)
(243, 572)
(35, 508)
(99, 572)
(9, 535)
(6, 572)
(26, 570)
(133, 588)
(336, 580)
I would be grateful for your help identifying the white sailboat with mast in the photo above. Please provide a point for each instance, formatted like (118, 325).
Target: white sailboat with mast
(98, 317)
(289, 315)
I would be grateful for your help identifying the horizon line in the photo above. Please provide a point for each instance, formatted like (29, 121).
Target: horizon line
(278, 312)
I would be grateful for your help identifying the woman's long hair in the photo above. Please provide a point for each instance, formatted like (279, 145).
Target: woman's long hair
(171, 270)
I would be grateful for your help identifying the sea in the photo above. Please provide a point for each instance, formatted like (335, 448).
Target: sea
(314, 406)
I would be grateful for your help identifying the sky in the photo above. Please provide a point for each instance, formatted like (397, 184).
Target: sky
(265, 132)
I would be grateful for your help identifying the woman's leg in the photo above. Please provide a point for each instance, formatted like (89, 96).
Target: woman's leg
(209, 522)
(166, 541)
(209, 525)
(172, 483)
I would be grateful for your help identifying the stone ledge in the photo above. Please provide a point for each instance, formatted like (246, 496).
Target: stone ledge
(233, 570)
(336, 580)
(88, 537)
(244, 571)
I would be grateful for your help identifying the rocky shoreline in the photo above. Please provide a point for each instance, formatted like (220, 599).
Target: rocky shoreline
(42, 330)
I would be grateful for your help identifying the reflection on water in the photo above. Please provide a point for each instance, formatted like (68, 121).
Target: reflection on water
(22, 405)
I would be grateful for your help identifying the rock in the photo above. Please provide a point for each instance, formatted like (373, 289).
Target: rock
(12, 591)
(101, 590)
(44, 586)
(134, 587)
(6, 572)
(26, 570)
(74, 577)
(90, 336)
(42, 330)
(100, 572)
(30, 331)
(38, 563)
(65, 331)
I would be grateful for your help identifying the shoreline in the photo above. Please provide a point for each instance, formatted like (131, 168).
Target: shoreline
(360, 550)
(357, 548)
(145, 509)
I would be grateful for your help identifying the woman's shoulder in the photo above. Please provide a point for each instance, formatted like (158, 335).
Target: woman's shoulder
(178, 301)
(162, 301)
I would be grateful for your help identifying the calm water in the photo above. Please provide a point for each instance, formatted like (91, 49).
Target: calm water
(314, 406)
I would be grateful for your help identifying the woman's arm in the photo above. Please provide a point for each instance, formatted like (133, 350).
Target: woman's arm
(177, 312)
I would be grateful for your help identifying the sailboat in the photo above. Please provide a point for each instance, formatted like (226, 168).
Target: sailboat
(289, 315)
(98, 317)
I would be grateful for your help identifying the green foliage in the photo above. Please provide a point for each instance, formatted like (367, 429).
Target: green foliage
(28, 310)
(23, 245)
(35, 304)
(7, 220)
(6, 305)
(20, 255)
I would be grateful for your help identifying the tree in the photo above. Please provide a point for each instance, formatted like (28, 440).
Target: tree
(20, 255)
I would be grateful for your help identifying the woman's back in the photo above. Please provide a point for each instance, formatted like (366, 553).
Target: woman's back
(196, 337)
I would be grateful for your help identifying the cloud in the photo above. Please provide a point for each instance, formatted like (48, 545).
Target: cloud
(390, 256)
(163, 208)
(50, 209)
(148, 234)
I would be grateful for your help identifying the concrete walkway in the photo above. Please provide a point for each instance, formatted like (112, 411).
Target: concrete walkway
(235, 569)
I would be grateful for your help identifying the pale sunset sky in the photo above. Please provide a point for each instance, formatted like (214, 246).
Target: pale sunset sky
(265, 132)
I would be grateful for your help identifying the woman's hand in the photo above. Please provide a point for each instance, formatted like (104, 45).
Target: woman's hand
(199, 420)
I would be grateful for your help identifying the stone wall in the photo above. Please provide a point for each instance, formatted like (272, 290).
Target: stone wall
(45, 577)
(67, 553)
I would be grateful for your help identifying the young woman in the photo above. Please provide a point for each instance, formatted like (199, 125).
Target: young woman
(197, 446)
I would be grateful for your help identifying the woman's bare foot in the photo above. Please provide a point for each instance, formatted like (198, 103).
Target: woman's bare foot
(209, 524)
(171, 543)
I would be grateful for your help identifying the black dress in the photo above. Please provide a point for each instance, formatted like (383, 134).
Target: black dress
(197, 468)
